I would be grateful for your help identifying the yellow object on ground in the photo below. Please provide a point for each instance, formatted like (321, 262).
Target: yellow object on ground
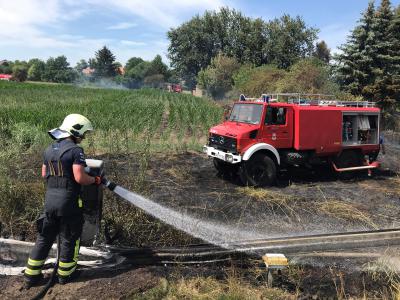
(275, 260)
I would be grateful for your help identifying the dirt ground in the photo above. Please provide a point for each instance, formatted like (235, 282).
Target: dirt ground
(102, 285)
(304, 202)
(299, 281)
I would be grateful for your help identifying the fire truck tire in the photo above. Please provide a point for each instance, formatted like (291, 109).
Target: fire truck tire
(259, 171)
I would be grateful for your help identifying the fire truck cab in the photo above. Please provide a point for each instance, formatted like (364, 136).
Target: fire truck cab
(260, 136)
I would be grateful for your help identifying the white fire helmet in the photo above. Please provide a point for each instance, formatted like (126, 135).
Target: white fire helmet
(73, 125)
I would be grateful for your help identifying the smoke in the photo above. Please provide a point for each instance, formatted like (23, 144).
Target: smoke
(104, 83)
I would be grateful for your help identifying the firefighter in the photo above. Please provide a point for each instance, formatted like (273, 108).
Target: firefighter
(64, 170)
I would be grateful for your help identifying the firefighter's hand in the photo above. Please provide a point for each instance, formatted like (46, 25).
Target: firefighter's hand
(97, 180)
(104, 180)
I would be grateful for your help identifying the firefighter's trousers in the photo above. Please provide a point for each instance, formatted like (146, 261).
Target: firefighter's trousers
(49, 226)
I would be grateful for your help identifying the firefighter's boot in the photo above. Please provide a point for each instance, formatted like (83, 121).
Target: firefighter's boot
(33, 273)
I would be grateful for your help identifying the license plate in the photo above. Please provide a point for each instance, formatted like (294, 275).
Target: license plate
(221, 155)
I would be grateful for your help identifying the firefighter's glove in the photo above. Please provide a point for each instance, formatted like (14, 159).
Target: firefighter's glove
(98, 180)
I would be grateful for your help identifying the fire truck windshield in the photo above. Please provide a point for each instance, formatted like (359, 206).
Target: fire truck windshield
(246, 113)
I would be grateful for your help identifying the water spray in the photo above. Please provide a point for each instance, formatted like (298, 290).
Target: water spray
(212, 232)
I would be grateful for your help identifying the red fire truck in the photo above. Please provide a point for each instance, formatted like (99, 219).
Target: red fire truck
(5, 77)
(174, 88)
(276, 131)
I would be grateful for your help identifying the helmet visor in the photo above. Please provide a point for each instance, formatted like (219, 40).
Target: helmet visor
(57, 134)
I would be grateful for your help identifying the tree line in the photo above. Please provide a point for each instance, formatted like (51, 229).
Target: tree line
(136, 73)
(282, 41)
(227, 53)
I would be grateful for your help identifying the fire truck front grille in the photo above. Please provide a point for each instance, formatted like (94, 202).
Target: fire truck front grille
(222, 143)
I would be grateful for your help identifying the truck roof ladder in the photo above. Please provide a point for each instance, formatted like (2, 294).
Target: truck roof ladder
(316, 100)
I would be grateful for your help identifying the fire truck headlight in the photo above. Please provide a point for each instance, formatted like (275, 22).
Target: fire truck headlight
(229, 158)
(205, 149)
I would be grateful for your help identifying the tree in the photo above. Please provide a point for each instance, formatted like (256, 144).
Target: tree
(322, 52)
(132, 62)
(33, 61)
(194, 43)
(288, 41)
(36, 70)
(139, 72)
(5, 68)
(353, 66)
(80, 65)
(105, 63)
(157, 67)
(58, 70)
(385, 63)
(22, 63)
(370, 63)
(217, 78)
(20, 73)
(394, 52)
(92, 63)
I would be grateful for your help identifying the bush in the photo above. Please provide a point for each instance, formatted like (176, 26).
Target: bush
(19, 73)
(217, 78)
(309, 76)
(36, 71)
(154, 81)
(255, 81)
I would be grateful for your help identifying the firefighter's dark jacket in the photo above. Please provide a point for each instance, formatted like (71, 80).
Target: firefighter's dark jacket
(62, 193)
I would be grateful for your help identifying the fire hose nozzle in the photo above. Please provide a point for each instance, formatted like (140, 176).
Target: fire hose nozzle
(109, 184)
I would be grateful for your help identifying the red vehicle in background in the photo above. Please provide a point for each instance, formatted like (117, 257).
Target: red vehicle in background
(5, 77)
(174, 88)
(260, 136)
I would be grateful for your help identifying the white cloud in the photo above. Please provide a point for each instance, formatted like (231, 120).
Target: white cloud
(122, 25)
(164, 13)
(25, 24)
(133, 43)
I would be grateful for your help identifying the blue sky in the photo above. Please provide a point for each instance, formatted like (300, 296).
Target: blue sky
(77, 28)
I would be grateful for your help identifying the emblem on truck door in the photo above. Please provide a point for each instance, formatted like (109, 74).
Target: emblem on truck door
(274, 136)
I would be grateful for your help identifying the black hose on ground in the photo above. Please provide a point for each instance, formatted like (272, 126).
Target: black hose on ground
(52, 278)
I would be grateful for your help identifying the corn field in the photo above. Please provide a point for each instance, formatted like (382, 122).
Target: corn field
(126, 122)
(122, 118)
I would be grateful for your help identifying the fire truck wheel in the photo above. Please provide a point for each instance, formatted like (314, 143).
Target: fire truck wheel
(259, 171)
